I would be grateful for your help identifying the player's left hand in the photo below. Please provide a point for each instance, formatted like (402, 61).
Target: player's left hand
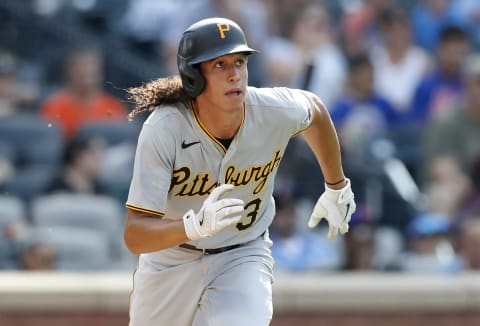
(337, 207)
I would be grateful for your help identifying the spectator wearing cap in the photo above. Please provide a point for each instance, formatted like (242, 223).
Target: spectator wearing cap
(429, 247)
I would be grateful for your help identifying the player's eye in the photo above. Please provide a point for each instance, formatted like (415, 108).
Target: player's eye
(240, 62)
(219, 64)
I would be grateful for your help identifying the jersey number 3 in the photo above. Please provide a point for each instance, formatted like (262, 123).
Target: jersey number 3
(252, 215)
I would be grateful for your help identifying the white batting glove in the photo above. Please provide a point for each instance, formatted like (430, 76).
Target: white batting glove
(337, 207)
(214, 215)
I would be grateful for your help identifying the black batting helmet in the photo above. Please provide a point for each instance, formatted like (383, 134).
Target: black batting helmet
(205, 40)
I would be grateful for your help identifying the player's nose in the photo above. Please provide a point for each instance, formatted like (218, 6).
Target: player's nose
(234, 74)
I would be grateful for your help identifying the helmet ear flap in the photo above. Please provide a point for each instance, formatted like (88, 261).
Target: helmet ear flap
(192, 79)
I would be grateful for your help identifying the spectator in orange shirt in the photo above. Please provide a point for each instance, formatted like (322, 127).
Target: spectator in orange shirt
(82, 100)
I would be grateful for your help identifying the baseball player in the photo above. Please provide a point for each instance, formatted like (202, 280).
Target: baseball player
(200, 200)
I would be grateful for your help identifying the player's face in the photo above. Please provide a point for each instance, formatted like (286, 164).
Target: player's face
(227, 78)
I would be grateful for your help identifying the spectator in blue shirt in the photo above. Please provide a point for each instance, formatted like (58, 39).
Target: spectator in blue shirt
(442, 89)
(361, 115)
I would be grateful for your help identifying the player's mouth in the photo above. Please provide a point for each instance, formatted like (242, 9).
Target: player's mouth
(234, 92)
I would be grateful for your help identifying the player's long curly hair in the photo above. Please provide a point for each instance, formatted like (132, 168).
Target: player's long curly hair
(166, 90)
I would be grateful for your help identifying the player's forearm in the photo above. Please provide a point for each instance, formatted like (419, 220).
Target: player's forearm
(145, 234)
(322, 139)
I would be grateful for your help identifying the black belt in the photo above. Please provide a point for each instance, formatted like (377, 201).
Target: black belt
(216, 250)
(210, 251)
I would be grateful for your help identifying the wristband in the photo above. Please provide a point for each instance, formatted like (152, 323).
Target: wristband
(335, 183)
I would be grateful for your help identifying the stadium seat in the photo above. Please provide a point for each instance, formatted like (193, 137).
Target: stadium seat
(36, 143)
(76, 248)
(12, 209)
(28, 183)
(114, 133)
(100, 213)
(8, 151)
(12, 212)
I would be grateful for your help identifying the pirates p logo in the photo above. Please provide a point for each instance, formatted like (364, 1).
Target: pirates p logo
(222, 28)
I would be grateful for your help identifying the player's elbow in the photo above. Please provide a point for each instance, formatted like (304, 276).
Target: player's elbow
(131, 239)
(131, 243)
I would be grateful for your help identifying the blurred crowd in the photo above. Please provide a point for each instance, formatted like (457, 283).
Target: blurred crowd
(401, 80)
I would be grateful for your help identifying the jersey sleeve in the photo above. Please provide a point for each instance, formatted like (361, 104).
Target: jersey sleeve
(152, 171)
(301, 107)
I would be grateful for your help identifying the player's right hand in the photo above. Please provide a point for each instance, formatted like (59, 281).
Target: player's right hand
(214, 215)
(337, 207)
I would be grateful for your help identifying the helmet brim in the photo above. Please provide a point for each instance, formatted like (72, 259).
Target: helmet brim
(221, 52)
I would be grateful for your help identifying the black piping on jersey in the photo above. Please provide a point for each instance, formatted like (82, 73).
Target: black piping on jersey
(145, 210)
(205, 130)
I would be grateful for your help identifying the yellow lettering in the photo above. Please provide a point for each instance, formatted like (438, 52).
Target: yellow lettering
(184, 186)
(222, 28)
(258, 174)
(180, 176)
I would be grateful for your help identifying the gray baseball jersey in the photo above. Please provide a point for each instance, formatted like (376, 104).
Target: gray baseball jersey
(178, 162)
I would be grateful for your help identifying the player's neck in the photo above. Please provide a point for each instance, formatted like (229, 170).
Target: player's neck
(219, 122)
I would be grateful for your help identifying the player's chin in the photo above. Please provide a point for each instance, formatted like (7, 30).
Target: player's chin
(235, 100)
